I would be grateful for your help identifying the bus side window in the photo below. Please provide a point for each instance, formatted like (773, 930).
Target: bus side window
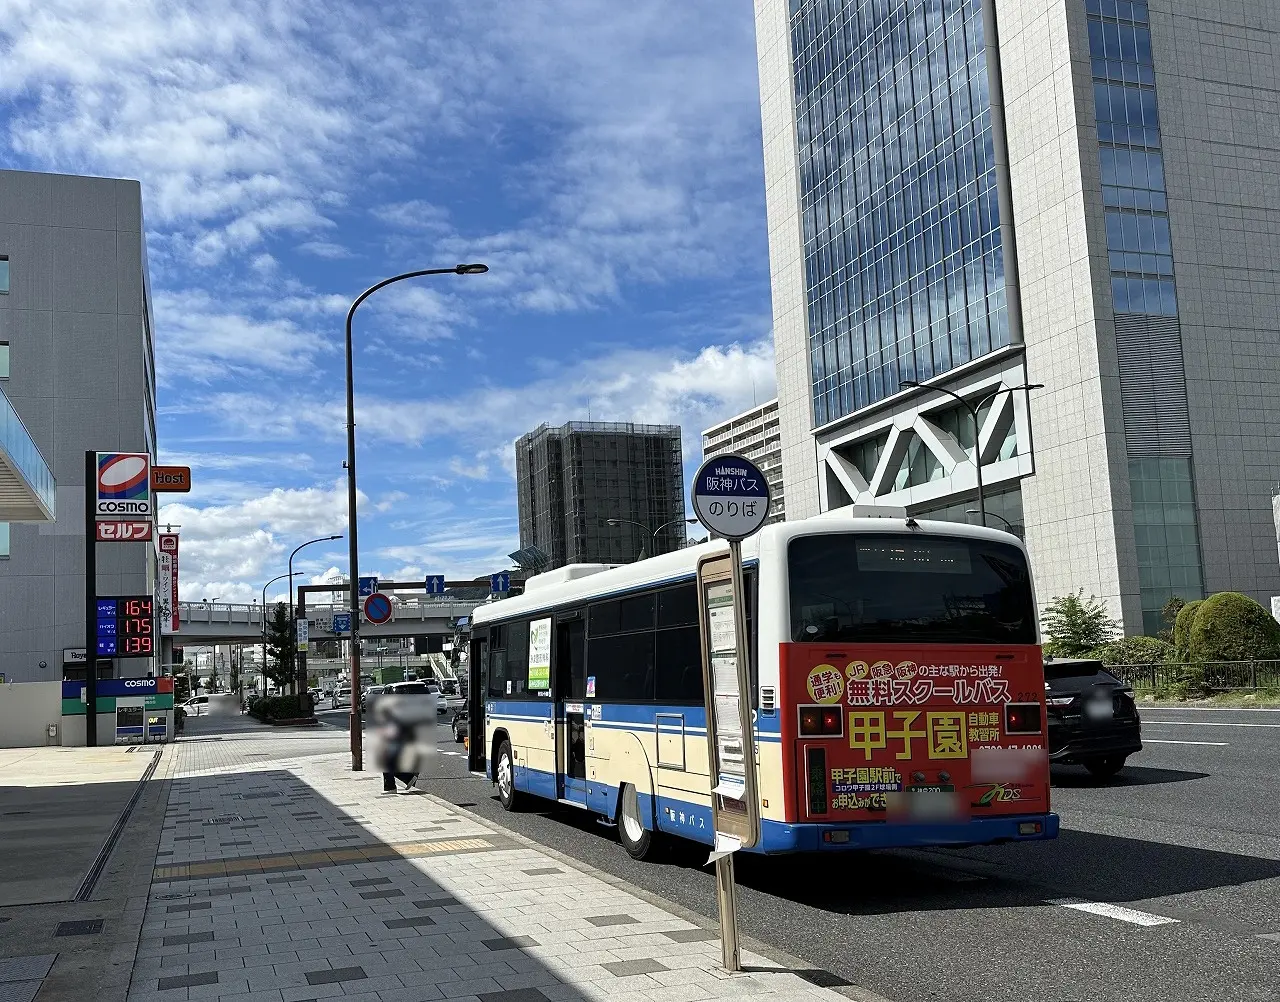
(620, 648)
(518, 657)
(679, 670)
(571, 658)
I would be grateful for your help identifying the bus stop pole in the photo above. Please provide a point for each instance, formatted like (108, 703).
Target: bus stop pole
(727, 902)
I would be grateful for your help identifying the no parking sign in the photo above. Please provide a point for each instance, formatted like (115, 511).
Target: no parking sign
(377, 609)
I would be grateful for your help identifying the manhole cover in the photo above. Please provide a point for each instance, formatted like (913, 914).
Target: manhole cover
(86, 927)
(224, 819)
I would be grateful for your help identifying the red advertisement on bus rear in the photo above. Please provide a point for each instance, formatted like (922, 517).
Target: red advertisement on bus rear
(916, 732)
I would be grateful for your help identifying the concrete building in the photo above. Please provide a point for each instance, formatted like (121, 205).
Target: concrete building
(755, 435)
(985, 194)
(600, 492)
(76, 330)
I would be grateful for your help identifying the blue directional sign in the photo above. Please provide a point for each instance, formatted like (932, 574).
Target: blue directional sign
(731, 496)
(500, 583)
(435, 584)
(342, 622)
(367, 587)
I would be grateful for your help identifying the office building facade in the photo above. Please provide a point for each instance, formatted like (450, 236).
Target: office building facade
(756, 435)
(981, 195)
(574, 480)
(79, 372)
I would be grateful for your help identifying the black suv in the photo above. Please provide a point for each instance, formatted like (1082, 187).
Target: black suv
(1093, 720)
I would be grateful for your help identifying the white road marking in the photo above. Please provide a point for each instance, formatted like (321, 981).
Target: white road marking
(1201, 723)
(1113, 911)
(1210, 709)
(1157, 741)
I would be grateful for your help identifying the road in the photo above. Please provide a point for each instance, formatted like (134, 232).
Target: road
(1164, 885)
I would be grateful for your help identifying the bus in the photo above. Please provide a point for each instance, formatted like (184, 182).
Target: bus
(897, 689)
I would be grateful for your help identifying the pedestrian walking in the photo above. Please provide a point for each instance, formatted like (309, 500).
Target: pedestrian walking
(395, 721)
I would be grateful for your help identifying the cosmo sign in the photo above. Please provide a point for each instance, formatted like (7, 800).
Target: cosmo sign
(124, 485)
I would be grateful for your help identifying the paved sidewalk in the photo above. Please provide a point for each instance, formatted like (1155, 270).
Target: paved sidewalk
(293, 879)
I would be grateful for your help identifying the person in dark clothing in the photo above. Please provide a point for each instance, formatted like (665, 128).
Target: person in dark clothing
(396, 719)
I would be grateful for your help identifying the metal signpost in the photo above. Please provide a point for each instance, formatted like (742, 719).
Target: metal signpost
(731, 498)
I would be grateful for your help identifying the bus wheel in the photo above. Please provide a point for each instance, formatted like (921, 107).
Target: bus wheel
(634, 836)
(508, 796)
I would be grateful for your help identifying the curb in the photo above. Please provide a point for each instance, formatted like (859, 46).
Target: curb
(785, 960)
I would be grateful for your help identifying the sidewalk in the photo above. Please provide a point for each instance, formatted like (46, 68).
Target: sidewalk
(295, 879)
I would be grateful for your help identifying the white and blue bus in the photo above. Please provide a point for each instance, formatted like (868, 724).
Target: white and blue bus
(890, 657)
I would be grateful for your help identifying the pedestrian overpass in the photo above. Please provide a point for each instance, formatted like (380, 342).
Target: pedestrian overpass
(206, 623)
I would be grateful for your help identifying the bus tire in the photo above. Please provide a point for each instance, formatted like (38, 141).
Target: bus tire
(504, 773)
(639, 841)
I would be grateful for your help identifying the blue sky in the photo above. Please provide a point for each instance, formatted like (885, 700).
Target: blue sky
(602, 158)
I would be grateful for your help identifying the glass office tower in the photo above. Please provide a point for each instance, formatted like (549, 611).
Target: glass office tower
(982, 195)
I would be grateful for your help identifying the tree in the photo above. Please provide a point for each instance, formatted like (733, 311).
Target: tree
(1076, 625)
(1134, 651)
(280, 646)
(1182, 627)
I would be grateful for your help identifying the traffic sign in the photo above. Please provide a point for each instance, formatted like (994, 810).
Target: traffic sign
(377, 609)
(367, 587)
(500, 583)
(303, 628)
(731, 496)
(341, 622)
(123, 488)
(435, 584)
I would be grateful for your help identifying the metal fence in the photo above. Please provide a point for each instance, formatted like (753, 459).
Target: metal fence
(1218, 675)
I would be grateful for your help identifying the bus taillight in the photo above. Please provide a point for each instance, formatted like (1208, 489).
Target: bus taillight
(815, 760)
(821, 722)
(1022, 718)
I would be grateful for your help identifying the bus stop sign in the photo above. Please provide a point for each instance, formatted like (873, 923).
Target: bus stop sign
(731, 497)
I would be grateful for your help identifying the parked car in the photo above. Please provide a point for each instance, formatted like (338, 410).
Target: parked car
(196, 705)
(460, 725)
(1093, 720)
(453, 699)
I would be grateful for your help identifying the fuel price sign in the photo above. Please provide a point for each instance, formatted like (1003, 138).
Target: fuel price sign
(126, 627)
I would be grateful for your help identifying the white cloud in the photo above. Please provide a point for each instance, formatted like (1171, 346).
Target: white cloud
(203, 341)
(250, 541)
(325, 249)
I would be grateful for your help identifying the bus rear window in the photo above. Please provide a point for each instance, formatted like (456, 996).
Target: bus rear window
(889, 589)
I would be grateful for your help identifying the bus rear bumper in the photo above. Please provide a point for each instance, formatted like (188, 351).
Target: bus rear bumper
(778, 837)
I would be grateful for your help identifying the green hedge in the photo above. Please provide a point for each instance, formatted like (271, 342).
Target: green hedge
(1133, 651)
(1182, 626)
(1229, 626)
(276, 708)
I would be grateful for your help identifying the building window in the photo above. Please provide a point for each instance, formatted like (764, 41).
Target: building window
(4, 540)
(1164, 526)
(904, 265)
(4, 274)
(4, 359)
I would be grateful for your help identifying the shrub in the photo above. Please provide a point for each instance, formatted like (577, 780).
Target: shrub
(1182, 626)
(1229, 626)
(276, 708)
(1133, 651)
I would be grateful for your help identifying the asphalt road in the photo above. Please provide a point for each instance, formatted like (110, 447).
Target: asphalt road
(1186, 842)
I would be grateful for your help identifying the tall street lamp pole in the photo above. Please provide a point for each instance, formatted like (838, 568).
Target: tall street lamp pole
(279, 577)
(357, 743)
(977, 428)
(626, 521)
(674, 521)
(293, 654)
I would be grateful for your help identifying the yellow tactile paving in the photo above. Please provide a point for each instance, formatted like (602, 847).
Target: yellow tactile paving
(239, 866)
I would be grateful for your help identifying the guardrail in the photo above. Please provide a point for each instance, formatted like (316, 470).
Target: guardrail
(1217, 675)
(233, 613)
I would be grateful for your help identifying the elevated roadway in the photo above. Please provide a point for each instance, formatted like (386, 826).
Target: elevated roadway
(234, 623)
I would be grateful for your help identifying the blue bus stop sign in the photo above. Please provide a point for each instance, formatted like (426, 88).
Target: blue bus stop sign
(731, 496)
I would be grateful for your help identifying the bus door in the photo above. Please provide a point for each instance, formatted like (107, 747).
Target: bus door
(570, 710)
(477, 691)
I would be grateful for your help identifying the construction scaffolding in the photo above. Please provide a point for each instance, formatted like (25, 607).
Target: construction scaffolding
(574, 479)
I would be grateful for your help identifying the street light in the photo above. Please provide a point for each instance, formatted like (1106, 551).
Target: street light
(654, 535)
(357, 744)
(293, 654)
(974, 511)
(977, 430)
(279, 577)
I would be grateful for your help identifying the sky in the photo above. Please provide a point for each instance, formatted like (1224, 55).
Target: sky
(602, 158)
